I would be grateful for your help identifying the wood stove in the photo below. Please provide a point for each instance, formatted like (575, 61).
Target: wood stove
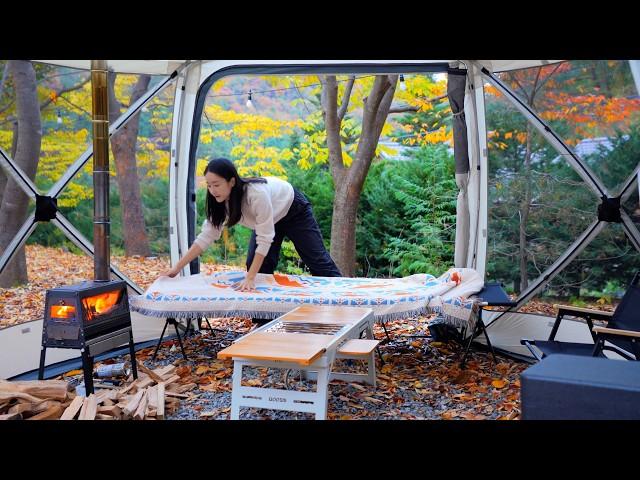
(90, 316)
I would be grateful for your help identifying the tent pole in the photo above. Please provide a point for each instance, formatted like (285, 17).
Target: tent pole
(479, 174)
(630, 229)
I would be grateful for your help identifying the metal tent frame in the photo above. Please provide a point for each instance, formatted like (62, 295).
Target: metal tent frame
(190, 76)
(46, 204)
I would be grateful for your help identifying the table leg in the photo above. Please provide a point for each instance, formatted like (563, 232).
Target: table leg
(235, 392)
(322, 390)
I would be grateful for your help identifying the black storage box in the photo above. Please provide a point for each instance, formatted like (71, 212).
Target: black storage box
(572, 387)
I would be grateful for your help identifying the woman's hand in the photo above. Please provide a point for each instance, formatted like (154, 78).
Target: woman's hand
(169, 273)
(246, 285)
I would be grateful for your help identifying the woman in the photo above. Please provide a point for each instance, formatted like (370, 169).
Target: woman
(270, 207)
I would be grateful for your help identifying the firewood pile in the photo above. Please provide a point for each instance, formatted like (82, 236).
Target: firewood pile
(153, 395)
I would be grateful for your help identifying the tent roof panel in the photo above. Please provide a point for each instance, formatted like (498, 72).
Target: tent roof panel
(165, 67)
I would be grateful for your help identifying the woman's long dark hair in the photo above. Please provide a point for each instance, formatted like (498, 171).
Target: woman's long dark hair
(217, 212)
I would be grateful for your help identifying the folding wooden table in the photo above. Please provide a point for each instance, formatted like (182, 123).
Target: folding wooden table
(308, 339)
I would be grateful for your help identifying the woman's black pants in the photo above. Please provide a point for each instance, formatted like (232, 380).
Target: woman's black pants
(300, 226)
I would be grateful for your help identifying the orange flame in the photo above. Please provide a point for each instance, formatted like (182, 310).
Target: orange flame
(63, 311)
(101, 303)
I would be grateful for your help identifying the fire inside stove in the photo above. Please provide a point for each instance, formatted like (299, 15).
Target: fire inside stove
(101, 304)
(63, 311)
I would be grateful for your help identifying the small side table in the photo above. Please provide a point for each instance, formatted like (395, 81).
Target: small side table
(492, 295)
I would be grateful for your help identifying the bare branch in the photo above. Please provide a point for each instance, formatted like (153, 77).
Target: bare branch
(48, 101)
(59, 93)
(332, 126)
(403, 109)
(409, 108)
(549, 76)
(347, 95)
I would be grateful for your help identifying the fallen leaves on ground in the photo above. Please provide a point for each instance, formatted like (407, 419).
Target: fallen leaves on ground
(419, 379)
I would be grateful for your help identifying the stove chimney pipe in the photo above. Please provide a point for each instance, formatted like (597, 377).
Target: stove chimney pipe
(101, 220)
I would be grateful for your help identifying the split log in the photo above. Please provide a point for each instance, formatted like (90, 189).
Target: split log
(20, 408)
(152, 396)
(49, 389)
(186, 388)
(166, 370)
(73, 409)
(142, 407)
(132, 405)
(46, 405)
(160, 401)
(52, 413)
(101, 416)
(11, 416)
(169, 393)
(112, 410)
(89, 408)
(21, 397)
(156, 378)
(171, 379)
(146, 381)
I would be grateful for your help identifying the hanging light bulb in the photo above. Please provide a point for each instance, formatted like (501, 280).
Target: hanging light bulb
(249, 102)
(59, 119)
(403, 86)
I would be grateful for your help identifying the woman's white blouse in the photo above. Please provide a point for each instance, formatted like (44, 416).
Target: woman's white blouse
(263, 204)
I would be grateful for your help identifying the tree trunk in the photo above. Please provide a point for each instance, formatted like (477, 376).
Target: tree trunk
(525, 207)
(13, 210)
(350, 181)
(123, 145)
(14, 147)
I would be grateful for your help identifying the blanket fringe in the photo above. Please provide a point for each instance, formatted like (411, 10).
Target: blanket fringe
(272, 315)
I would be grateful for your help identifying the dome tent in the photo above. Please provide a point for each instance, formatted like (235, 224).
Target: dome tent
(193, 78)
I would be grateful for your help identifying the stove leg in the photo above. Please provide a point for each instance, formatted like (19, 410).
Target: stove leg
(43, 353)
(87, 367)
(132, 351)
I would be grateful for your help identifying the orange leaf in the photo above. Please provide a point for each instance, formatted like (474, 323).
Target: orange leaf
(499, 383)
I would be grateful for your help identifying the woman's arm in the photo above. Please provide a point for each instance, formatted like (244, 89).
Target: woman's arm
(193, 253)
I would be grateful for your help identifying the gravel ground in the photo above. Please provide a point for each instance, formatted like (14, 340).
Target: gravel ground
(420, 379)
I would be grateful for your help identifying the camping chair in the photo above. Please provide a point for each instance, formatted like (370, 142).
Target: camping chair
(622, 332)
